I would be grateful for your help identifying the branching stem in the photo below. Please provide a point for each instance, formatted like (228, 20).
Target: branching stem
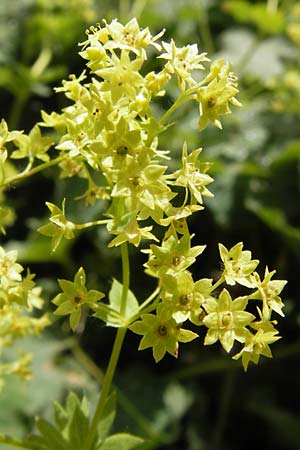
(28, 173)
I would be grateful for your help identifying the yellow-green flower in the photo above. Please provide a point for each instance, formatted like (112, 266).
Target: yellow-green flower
(183, 297)
(226, 320)
(114, 35)
(33, 145)
(193, 175)
(59, 227)
(131, 37)
(214, 98)
(74, 296)
(122, 75)
(182, 61)
(127, 229)
(7, 217)
(257, 345)
(268, 291)
(238, 265)
(174, 256)
(10, 270)
(162, 333)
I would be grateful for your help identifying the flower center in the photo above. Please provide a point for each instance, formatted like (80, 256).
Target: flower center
(226, 319)
(162, 330)
(4, 265)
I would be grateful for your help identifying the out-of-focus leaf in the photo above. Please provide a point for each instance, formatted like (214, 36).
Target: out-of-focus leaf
(120, 441)
(79, 423)
(37, 249)
(266, 19)
(223, 190)
(262, 60)
(161, 403)
(53, 439)
(276, 220)
(18, 443)
(290, 154)
(285, 426)
(12, 13)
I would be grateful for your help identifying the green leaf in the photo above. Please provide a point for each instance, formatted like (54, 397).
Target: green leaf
(289, 155)
(78, 429)
(60, 416)
(115, 296)
(121, 441)
(72, 403)
(52, 437)
(267, 20)
(285, 425)
(105, 313)
(276, 220)
(5, 439)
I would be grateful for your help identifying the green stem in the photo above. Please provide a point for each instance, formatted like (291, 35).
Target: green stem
(150, 298)
(15, 443)
(112, 365)
(143, 309)
(138, 8)
(217, 283)
(106, 387)
(126, 277)
(124, 8)
(41, 63)
(142, 422)
(31, 172)
(179, 101)
(91, 224)
(23, 94)
(184, 97)
(16, 109)
(204, 31)
(224, 406)
(215, 365)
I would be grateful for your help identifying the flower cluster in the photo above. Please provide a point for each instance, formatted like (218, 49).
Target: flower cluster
(202, 303)
(18, 297)
(110, 126)
(109, 136)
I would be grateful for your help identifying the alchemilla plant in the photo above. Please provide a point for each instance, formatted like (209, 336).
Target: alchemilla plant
(109, 135)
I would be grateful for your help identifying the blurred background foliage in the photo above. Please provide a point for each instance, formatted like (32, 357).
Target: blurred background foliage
(203, 401)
